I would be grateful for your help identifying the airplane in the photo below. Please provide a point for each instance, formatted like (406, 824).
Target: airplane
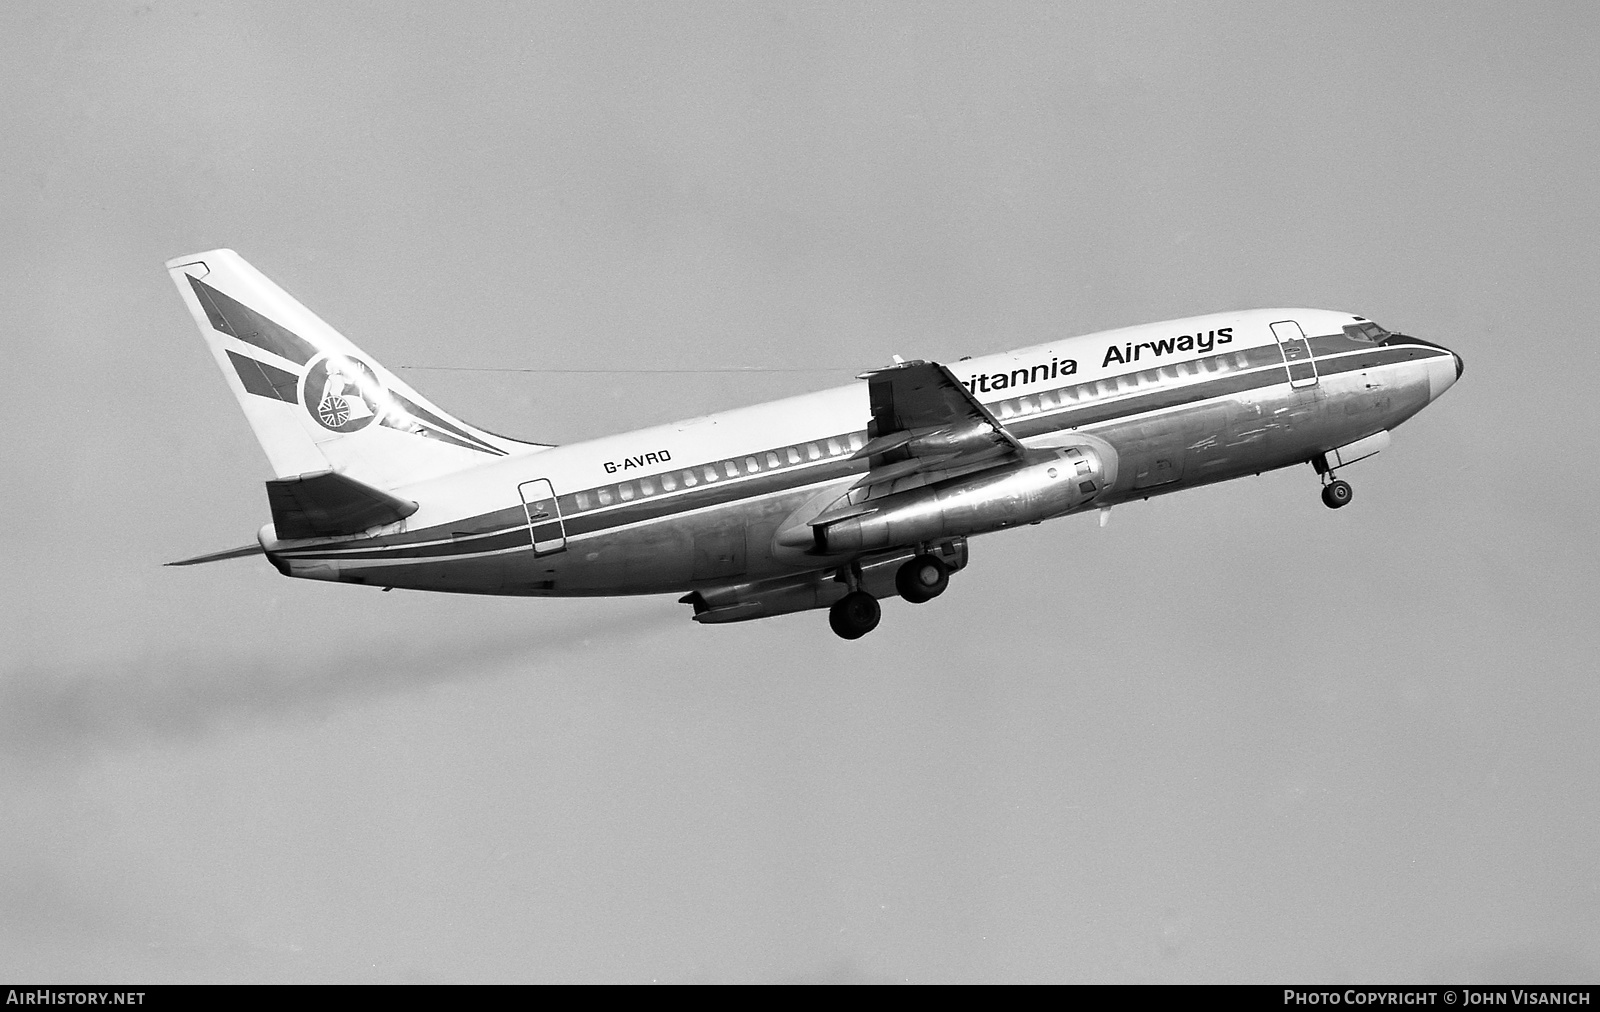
(836, 499)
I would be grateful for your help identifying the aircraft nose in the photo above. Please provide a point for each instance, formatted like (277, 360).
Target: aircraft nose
(1442, 372)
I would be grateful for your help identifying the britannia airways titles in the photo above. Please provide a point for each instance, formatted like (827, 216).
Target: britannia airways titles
(989, 382)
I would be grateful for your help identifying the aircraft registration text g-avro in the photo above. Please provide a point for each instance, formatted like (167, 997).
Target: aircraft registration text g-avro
(834, 499)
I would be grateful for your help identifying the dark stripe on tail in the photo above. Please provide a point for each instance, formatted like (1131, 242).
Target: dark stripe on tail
(235, 319)
(265, 380)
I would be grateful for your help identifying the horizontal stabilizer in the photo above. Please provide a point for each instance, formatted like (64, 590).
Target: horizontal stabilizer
(327, 504)
(232, 553)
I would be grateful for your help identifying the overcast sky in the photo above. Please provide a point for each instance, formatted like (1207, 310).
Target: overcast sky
(1232, 736)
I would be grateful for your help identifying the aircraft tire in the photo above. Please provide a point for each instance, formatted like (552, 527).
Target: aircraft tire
(854, 615)
(1337, 494)
(922, 579)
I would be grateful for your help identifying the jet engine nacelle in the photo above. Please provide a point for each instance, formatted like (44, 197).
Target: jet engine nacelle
(1047, 484)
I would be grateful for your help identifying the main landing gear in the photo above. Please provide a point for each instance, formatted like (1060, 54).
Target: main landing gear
(921, 579)
(1337, 494)
(855, 614)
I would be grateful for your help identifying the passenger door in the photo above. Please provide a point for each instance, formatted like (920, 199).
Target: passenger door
(545, 526)
(1296, 353)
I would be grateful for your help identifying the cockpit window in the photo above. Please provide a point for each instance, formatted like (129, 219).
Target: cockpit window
(1366, 332)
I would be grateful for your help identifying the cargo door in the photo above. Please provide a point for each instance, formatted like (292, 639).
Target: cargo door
(545, 527)
(1296, 353)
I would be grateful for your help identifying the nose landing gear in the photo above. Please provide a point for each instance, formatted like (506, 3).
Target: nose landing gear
(1337, 494)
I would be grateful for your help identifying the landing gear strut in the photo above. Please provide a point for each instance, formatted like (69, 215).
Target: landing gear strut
(922, 579)
(1337, 494)
(854, 615)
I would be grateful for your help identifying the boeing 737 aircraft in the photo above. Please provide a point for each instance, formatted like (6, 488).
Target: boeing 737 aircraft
(829, 500)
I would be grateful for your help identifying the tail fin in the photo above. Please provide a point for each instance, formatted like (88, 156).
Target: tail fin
(316, 401)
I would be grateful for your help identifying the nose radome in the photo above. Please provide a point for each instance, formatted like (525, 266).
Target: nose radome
(1442, 372)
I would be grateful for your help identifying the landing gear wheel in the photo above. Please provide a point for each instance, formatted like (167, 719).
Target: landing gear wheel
(854, 615)
(922, 579)
(1336, 494)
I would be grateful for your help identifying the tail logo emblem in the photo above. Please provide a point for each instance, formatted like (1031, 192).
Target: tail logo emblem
(342, 393)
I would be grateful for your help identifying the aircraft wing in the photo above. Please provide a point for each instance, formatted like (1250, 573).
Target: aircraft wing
(926, 425)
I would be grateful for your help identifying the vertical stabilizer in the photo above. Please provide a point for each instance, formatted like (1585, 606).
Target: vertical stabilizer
(315, 401)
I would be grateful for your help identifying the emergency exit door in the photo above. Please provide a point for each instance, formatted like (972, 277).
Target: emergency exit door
(1296, 353)
(545, 528)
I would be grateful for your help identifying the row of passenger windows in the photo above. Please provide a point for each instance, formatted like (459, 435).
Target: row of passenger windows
(706, 474)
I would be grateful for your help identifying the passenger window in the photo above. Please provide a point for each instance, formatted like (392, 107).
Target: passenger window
(668, 483)
(710, 471)
(813, 451)
(646, 486)
(857, 441)
(834, 449)
(751, 465)
(689, 480)
(582, 499)
(772, 460)
(730, 469)
(625, 491)
(792, 453)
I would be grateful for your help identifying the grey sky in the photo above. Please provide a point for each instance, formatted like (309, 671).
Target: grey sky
(1232, 736)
